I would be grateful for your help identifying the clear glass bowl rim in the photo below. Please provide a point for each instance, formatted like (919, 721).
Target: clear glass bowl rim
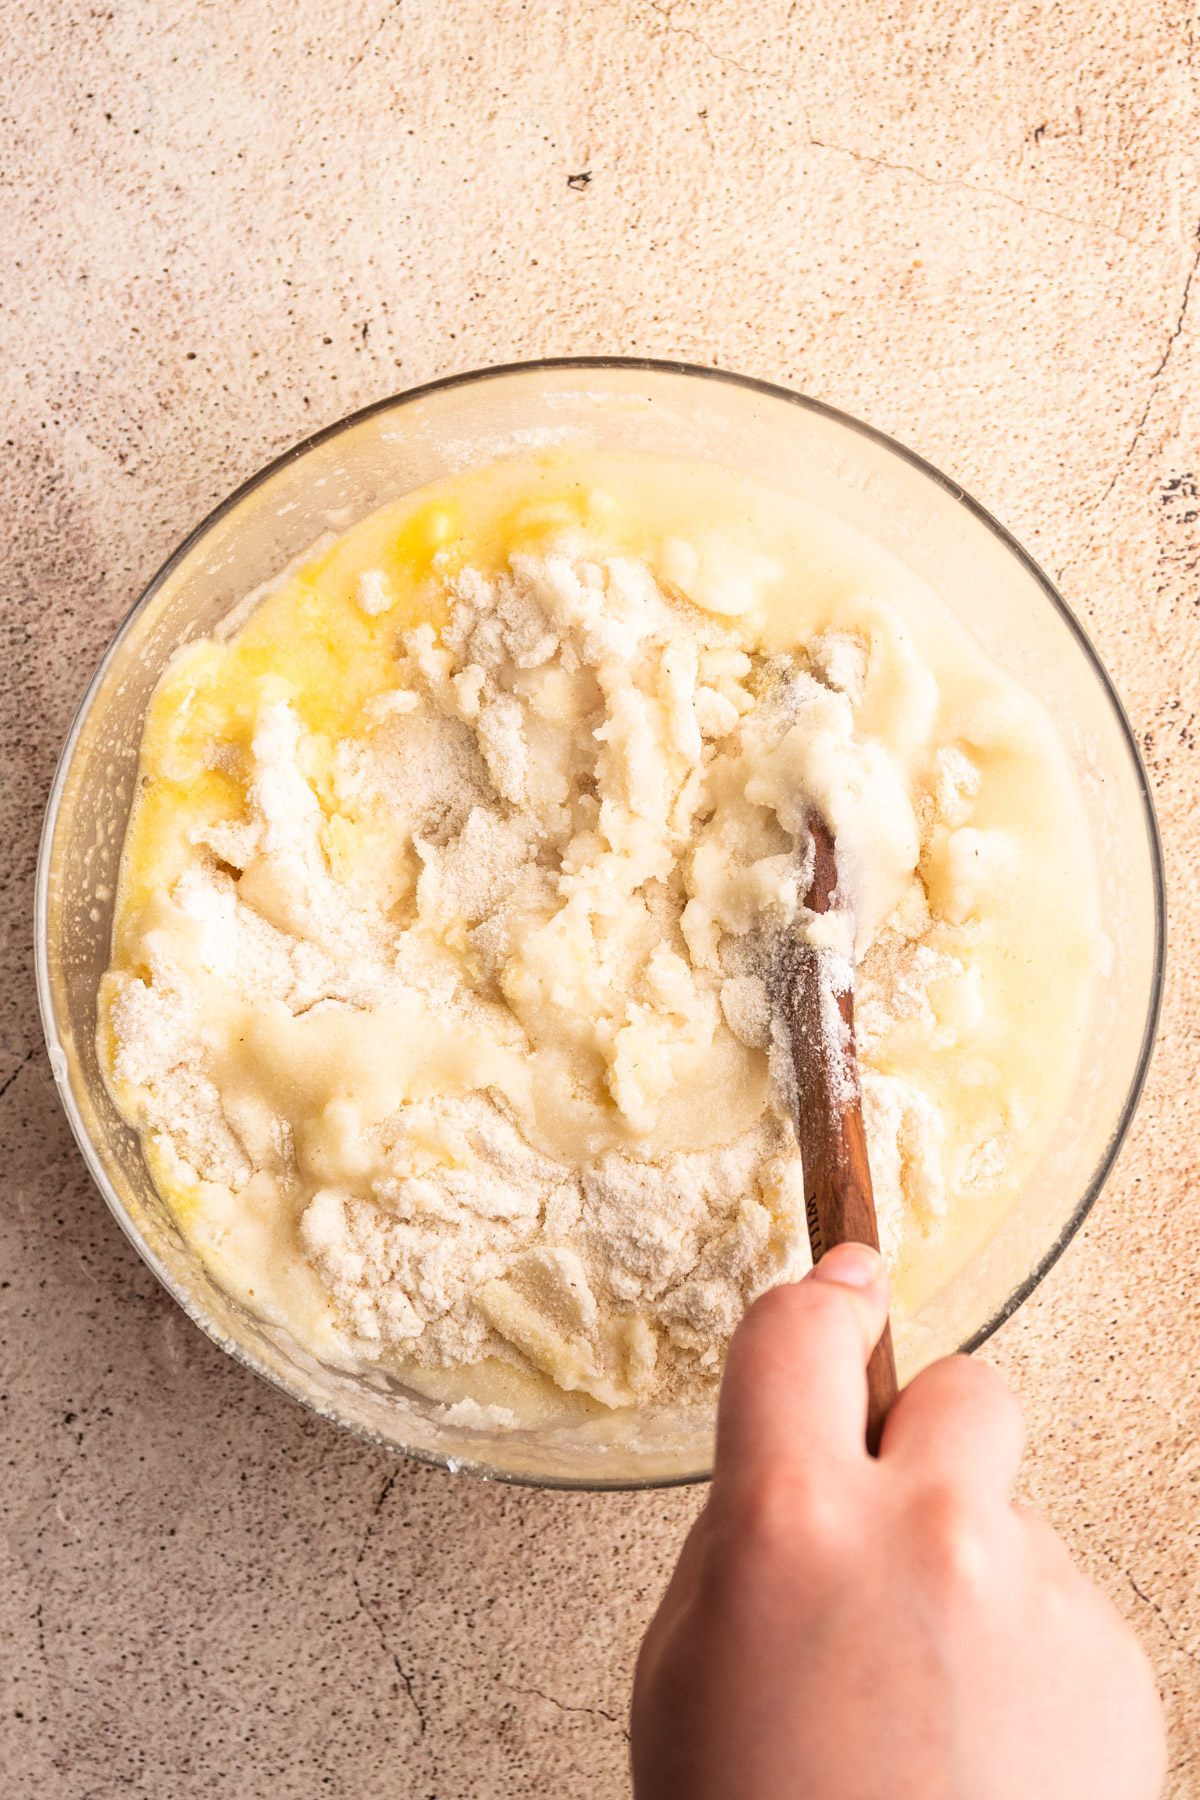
(655, 366)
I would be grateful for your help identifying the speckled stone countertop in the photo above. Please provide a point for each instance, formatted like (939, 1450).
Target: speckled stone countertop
(228, 222)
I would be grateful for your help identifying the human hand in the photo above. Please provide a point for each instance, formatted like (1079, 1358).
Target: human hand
(841, 1628)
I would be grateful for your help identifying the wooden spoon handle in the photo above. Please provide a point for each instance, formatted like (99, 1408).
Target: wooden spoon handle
(838, 1196)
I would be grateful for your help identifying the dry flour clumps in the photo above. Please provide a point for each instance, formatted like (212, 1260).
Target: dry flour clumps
(468, 1013)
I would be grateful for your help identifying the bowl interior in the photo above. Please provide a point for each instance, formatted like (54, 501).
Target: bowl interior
(855, 474)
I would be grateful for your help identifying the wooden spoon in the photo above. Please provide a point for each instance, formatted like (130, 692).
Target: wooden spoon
(838, 1196)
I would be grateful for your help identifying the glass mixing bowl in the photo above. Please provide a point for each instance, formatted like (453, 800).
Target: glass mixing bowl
(609, 404)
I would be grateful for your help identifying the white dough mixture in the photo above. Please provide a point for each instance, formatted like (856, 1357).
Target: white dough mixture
(440, 991)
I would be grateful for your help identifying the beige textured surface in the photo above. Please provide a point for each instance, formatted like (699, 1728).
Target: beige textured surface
(225, 223)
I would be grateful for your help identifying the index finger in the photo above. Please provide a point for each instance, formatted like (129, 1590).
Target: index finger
(958, 1422)
(794, 1393)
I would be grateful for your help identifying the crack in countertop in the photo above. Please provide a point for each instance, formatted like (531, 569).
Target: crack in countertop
(368, 1612)
(25, 1060)
(975, 187)
(664, 13)
(1156, 373)
(595, 1712)
(1152, 1603)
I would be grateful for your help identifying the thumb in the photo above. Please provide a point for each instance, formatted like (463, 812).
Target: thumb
(795, 1385)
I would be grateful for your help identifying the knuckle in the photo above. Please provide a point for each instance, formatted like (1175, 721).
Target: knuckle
(761, 1517)
(785, 1513)
(952, 1539)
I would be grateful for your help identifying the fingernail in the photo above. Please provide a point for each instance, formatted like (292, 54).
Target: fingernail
(850, 1265)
